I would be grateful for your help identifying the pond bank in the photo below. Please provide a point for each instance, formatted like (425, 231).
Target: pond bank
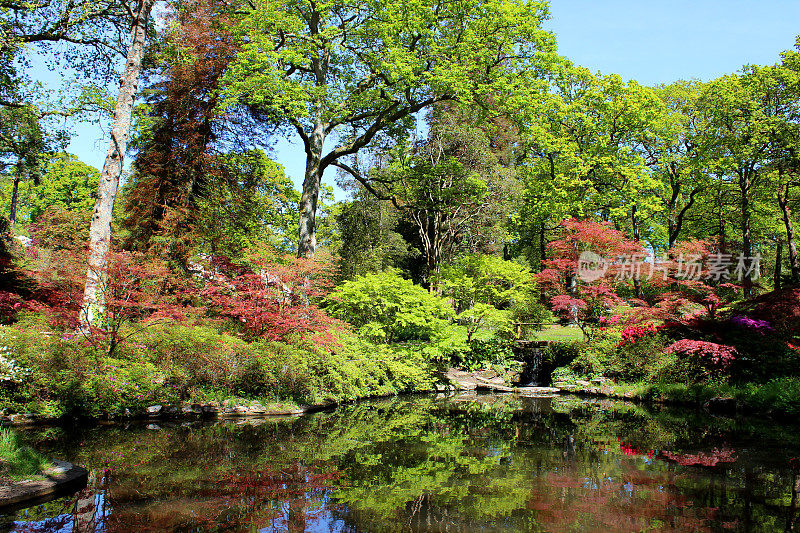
(60, 479)
(719, 400)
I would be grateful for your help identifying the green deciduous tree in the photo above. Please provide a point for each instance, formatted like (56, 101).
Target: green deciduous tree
(349, 75)
(584, 156)
(250, 203)
(67, 183)
(22, 142)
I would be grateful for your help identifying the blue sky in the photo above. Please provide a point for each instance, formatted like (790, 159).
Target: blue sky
(651, 42)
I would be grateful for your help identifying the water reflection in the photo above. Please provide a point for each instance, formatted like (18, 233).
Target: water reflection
(465, 463)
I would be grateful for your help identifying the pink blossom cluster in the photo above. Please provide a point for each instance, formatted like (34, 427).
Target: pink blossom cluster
(607, 322)
(633, 333)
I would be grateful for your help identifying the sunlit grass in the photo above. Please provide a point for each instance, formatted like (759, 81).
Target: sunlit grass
(18, 461)
(558, 334)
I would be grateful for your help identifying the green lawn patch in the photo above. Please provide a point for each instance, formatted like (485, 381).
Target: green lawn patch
(558, 334)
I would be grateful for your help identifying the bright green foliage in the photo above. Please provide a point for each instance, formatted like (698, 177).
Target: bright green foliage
(490, 293)
(252, 202)
(67, 183)
(387, 308)
(674, 150)
(355, 73)
(354, 62)
(585, 138)
(487, 279)
(486, 317)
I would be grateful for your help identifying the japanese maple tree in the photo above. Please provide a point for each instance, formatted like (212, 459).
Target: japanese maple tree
(575, 296)
(138, 290)
(270, 296)
(696, 283)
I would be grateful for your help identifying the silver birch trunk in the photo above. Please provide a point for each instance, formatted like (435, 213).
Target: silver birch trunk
(100, 230)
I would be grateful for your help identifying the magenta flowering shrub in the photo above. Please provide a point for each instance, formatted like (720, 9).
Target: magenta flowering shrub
(760, 326)
(606, 322)
(634, 332)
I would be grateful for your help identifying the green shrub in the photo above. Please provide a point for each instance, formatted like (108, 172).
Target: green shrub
(67, 375)
(387, 308)
(644, 359)
(173, 363)
(195, 356)
(587, 359)
(487, 352)
(780, 394)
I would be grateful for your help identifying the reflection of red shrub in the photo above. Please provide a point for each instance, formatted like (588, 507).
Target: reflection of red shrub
(633, 451)
(714, 458)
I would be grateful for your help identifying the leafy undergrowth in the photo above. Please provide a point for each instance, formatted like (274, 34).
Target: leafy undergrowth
(54, 376)
(18, 462)
(781, 396)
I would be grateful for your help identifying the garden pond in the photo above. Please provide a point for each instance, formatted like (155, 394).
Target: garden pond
(431, 463)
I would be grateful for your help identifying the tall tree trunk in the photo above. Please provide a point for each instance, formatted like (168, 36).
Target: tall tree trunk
(100, 230)
(542, 246)
(747, 243)
(783, 201)
(307, 244)
(672, 211)
(637, 283)
(778, 264)
(12, 213)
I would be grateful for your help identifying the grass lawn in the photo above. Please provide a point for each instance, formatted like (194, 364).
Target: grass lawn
(558, 334)
(19, 462)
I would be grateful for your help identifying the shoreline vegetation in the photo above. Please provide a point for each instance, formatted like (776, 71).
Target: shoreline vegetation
(19, 462)
(772, 401)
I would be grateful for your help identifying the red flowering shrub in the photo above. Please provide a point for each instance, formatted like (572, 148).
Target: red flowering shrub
(10, 303)
(780, 308)
(585, 236)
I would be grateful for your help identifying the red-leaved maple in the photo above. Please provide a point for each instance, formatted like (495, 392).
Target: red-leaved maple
(272, 296)
(585, 303)
(138, 290)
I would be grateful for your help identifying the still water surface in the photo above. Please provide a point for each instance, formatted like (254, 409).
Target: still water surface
(457, 464)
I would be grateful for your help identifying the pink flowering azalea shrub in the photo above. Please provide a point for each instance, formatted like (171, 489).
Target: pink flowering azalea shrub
(634, 332)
